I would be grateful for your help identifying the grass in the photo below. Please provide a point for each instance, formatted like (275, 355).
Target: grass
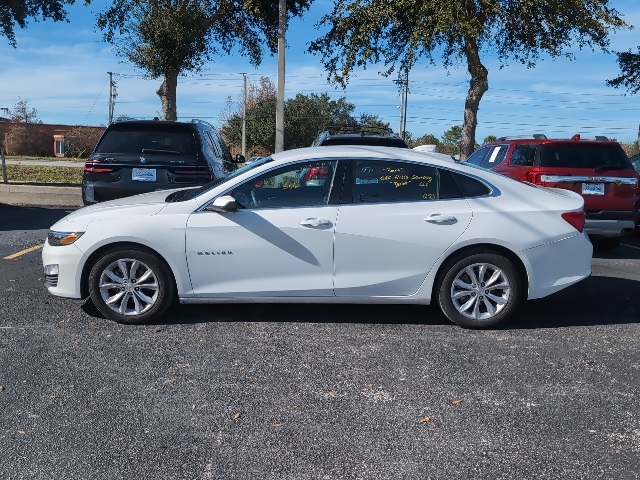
(45, 159)
(44, 174)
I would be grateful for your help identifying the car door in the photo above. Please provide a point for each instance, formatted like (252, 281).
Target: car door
(278, 243)
(395, 225)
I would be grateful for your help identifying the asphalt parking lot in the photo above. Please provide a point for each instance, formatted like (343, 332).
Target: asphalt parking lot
(316, 391)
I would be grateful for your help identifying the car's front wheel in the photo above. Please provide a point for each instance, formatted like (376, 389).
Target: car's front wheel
(131, 286)
(479, 290)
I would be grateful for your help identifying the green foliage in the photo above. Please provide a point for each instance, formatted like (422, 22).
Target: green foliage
(424, 140)
(399, 33)
(451, 140)
(44, 174)
(166, 38)
(629, 77)
(305, 116)
(489, 139)
(18, 12)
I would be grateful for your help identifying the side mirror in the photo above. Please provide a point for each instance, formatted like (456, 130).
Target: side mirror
(240, 158)
(224, 204)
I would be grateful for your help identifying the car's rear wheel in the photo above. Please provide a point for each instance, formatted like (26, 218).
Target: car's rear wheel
(479, 290)
(131, 286)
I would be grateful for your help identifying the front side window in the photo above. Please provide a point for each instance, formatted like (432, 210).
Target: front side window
(303, 184)
(389, 181)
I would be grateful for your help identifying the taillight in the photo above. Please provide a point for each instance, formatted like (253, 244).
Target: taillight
(92, 167)
(316, 173)
(534, 177)
(575, 219)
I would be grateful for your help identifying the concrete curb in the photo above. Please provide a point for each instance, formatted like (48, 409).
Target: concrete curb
(40, 195)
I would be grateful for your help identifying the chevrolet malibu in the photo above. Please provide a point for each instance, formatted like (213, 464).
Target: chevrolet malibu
(344, 224)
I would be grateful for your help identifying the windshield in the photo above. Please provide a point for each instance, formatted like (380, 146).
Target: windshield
(156, 138)
(190, 193)
(576, 155)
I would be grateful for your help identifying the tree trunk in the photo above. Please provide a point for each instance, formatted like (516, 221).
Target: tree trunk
(167, 94)
(477, 86)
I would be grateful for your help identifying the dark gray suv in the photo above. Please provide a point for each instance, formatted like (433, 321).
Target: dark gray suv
(139, 156)
(359, 135)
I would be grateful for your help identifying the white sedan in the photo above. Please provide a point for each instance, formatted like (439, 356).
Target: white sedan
(327, 225)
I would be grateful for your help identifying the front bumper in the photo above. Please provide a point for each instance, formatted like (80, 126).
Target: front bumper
(68, 279)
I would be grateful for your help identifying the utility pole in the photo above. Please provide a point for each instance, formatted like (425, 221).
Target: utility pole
(112, 96)
(244, 118)
(404, 90)
(282, 28)
(2, 149)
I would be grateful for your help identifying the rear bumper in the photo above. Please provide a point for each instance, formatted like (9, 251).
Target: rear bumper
(610, 224)
(557, 265)
(94, 192)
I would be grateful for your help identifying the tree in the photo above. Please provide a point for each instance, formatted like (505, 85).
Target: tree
(373, 123)
(167, 38)
(451, 141)
(79, 142)
(24, 113)
(398, 33)
(305, 116)
(629, 77)
(424, 140)
(27, 139)
(18, 12)
(260, 105)
(489, 138)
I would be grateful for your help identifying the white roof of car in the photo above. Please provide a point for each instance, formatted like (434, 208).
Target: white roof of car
(361, 151)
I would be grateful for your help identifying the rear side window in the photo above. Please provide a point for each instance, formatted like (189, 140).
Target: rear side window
(583, 155)
(213, 144)
(375, 141)
(470, 187)
(524, 155)
(140, 139)
(488, 156)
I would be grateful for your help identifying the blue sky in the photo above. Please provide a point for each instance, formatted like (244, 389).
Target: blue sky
(61, 69)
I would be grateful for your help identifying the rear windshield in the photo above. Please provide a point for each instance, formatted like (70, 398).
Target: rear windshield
(380, 142)
(149, 139)
(583, 155)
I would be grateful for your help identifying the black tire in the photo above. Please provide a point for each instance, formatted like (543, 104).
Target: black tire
(471, 303)
(131, 286)
(606, 244)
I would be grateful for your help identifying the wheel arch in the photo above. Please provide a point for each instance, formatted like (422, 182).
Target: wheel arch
(481, 248)
(124, 245)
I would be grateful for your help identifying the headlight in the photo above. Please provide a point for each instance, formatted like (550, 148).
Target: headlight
(57, 239)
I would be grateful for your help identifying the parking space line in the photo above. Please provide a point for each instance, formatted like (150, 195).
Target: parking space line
(631, 246)
(23, 252)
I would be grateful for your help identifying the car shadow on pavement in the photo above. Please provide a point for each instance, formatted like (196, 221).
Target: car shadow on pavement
(15, 217)
(595, 301)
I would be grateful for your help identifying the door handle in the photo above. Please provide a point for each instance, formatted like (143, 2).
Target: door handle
(439, 218)
(314, 222)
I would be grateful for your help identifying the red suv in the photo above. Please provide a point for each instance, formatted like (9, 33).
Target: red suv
(598, 169)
